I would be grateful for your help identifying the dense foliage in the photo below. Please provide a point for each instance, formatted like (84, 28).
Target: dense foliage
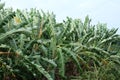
(33, 46)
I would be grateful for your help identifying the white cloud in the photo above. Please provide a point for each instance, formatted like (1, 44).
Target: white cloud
(21, 4)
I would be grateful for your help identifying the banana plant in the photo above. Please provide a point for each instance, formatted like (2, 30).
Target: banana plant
(33, 45)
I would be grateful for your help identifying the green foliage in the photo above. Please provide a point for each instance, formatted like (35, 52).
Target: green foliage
(33, 46)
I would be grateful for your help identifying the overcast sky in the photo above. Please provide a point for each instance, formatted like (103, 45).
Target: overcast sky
(103, 11)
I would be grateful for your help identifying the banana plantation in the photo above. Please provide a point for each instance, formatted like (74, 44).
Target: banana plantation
(34, 46)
